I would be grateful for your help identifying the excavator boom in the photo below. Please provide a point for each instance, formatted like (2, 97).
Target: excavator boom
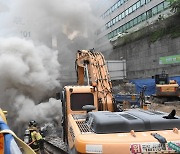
(94, 66)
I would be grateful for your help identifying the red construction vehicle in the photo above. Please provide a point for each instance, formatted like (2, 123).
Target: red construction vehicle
(91, 123)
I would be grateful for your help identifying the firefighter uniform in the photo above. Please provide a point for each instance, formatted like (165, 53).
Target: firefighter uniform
(35, 140)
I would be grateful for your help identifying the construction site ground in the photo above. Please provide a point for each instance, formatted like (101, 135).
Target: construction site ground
(128, 88)
(167, 107)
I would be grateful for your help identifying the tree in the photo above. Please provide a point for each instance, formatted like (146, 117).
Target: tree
(175, 5)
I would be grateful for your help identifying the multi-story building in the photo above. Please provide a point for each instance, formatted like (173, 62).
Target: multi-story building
(126, 16)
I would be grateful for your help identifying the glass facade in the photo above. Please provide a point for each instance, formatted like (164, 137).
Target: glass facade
(125, 13)
(113, 8)
(137, 20)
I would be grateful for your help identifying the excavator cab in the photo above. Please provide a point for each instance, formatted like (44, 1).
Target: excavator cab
(162, 78)
(77, 101)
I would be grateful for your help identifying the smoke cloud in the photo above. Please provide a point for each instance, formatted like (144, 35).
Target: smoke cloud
(66, 19)
(38, 41)
(29, 74)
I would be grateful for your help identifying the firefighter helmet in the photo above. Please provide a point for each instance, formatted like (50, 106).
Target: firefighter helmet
(32, 123)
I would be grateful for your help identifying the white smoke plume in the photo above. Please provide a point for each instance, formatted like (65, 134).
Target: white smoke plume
(68, 20)
(29, 67)
(72, 23)
(49, 110)
(29, 74)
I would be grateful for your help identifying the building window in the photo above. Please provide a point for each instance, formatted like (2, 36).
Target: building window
(166, 4)
(111, 23)
(149, 14)
(142, 2)
(122, 1)
(124, 27)
(116, 5)
(134, 7)
(143, 16)
(135, 21)
(154, 11)
(131, 23)
(117, 19)
(117, 30)
(127, 25)
(120, 29)
(160, 7)
(122, 15)
(130, 10)
(112, 8)
(119, 3)
(112, 34)
(114, 21)
(126, 12)
(138, 4)
(139, 19)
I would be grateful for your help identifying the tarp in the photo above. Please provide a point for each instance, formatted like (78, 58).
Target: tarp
(140, 83)
(150, 84)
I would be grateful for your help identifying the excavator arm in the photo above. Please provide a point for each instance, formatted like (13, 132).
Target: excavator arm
(92, 65)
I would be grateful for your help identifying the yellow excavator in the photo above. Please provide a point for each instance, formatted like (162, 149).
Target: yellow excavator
(92, 124)
(166, 89)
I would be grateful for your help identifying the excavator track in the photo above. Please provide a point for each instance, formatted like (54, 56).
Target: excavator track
(55, 145)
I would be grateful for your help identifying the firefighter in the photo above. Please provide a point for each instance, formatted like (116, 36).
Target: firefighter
(33, 138)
